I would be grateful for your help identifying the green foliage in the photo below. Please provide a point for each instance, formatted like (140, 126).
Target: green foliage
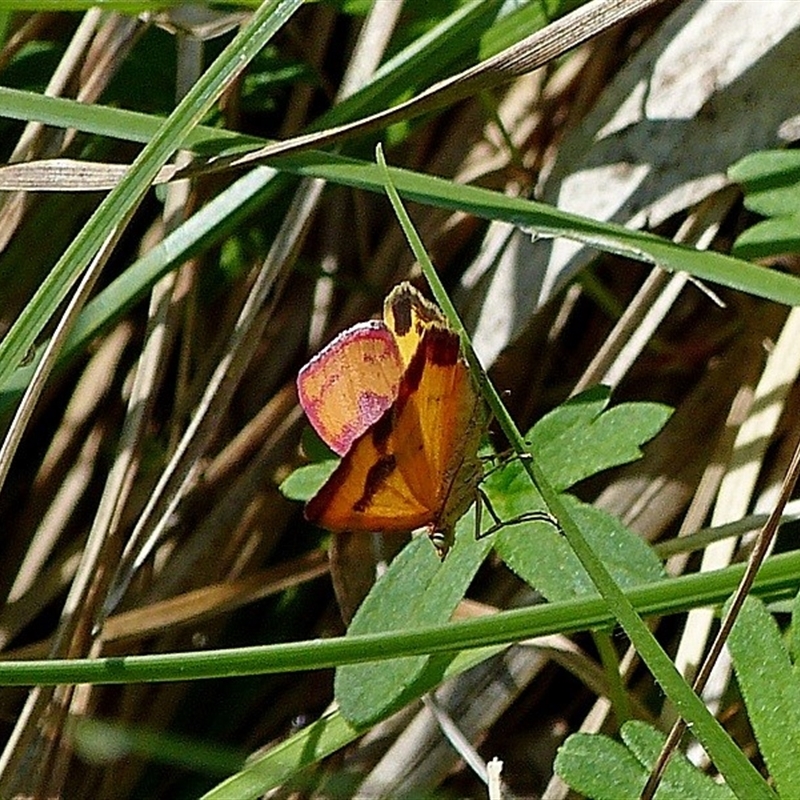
(572, 443)
(768, 679)
(418, 590)
(541, 556)
(769, 684)
(575, 441)
(604, 769)
(305, 481)
(771, 183)
(581, 438)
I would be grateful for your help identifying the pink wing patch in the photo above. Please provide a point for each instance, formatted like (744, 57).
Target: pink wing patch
(348, 385)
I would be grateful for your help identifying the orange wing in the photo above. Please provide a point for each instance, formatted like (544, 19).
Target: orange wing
(348, 385)
(417, 465)
(408, 315)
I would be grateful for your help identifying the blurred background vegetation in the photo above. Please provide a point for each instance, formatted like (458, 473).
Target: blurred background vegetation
(219, 288)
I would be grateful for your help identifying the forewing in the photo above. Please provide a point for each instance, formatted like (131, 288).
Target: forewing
(367, 492)
(350, 383)
(437, 390)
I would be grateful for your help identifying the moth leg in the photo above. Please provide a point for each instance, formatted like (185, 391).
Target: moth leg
(528, 516)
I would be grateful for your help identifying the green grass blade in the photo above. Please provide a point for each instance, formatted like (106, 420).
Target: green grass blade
(725, 270)
(779, 579)
(728, 271)
(546, 220)
(137, 180)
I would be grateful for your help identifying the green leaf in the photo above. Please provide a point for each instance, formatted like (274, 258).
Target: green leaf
(682, 779)
(304, 482)
(769, 238)
(604, 769)
(575, 441)
(578, 439)
(415, 591)
(280, 763)
(771, 692)
(540, 555)
(574, 413)
(794, 631)
(771, 182)
(600, 768)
